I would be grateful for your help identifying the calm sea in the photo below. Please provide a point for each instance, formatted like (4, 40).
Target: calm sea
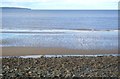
(59, 19)
(60, 28)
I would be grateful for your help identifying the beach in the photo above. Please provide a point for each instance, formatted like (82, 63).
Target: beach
(61, 67)
(35, 54)
(22, 51)
(59, 44)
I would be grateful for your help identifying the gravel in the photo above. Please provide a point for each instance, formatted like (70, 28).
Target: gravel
(61, 67)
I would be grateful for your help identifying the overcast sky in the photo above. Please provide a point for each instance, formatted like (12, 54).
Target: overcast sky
(62, 4)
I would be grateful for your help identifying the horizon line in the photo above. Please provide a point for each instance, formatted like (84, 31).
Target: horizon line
(56, 9)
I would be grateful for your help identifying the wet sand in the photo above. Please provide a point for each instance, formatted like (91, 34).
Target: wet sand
(23, 51)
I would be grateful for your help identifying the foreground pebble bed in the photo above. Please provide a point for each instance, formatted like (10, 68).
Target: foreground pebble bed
(76, 66)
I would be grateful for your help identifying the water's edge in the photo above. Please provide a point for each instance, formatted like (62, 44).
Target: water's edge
(38, 56)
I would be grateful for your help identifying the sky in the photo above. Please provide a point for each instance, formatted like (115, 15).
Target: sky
(62, 4)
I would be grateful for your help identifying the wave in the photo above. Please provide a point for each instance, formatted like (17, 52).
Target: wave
(38, 56)
(50, 31)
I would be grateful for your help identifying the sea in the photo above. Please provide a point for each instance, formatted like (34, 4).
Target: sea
(70, 29)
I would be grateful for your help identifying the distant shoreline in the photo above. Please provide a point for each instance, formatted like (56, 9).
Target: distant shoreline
(58, 9)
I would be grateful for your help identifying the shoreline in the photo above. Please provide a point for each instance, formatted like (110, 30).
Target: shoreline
(53, 30)
(26, 51)
(61, 56)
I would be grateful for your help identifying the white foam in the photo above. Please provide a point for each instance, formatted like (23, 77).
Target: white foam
(50, 31)
(38, 56)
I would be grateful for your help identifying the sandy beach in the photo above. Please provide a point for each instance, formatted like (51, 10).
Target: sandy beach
(23, 51)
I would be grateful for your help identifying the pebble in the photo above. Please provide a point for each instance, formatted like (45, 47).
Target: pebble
(106, 66)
